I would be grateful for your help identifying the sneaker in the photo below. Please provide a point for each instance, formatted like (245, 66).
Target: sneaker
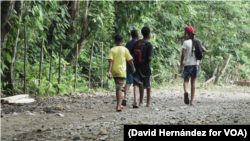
(186, 100)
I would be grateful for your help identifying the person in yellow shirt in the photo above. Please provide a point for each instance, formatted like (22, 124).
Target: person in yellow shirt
(118, 57)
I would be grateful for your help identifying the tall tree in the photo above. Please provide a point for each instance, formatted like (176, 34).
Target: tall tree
(74, 13)
(11, 48)
(84, 32)
(6, 11)
(94, 21)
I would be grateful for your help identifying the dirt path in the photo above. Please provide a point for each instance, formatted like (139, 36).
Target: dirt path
(93, 117)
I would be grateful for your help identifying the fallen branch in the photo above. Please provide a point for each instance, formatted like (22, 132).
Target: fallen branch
(223, 70)
(210, 80)
(215, 70)
(242, 83)
(156, 75)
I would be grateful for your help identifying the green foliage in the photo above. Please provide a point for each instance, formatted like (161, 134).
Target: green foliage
(245, 72)
(101, 19)
(222, 27)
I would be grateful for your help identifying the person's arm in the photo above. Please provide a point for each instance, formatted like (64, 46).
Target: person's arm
(109, 71)
(130, 60)
(182, 58)
(151, 52)
(132, 65)
(183, 54)
(203, 48)
(150, 58)
(110, 64)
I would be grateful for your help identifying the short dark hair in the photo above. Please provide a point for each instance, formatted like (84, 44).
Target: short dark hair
(134, 33)
(118, 37)
(145, 31)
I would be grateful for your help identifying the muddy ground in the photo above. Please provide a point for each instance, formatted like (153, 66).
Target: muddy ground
(89, 117)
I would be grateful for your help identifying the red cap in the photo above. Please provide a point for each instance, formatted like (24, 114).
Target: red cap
(189, 29)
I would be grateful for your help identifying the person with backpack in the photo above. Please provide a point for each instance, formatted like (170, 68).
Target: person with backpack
(142, 53)
(192, 53)
(135, 36)
(118, 57)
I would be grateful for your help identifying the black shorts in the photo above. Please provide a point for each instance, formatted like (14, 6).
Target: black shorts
(146, 80)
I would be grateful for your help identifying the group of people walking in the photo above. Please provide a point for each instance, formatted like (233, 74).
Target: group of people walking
(132, 63)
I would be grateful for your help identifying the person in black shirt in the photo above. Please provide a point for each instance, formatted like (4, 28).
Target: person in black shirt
(129, 80)
(142, 77)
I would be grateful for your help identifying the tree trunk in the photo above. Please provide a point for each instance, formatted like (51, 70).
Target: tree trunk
(41, 60)
(50, 34)
(90, 62)
(6, 16)
(12, 49)
(102, 68)
(227, 78)
(222, 70)
(238, 75)
(210, 80)
(51, 56)
(210, 62)
(216, 73)
(74, 12)
(84, 35)
(25, 54)
(217, 66)
(76, 67)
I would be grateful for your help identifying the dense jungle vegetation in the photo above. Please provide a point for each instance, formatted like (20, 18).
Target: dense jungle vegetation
(82, 31)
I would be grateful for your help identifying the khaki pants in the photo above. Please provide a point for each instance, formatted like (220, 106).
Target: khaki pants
(119, 83)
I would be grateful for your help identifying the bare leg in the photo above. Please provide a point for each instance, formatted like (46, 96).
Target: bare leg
(186, 98)
(127, 86)
(192, 90)
(118, 98)
(141, 94)
(135, 94)
(148, 96)
(186, 80)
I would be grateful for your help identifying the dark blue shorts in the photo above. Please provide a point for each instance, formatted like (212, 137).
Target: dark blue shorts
(129, 77)
(190, 71)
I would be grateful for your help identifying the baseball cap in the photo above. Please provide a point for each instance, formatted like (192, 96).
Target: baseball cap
(189, 29)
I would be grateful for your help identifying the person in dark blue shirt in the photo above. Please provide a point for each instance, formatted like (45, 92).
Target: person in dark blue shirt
(135, 36)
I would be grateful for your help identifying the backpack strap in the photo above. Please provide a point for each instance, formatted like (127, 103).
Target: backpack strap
(196, 40)
(143, 49)
(195, 49)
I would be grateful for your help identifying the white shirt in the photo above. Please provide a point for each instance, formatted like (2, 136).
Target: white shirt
(189, 59)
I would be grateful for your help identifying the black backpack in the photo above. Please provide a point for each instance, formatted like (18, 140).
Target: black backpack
(198, 49)
(139, 52)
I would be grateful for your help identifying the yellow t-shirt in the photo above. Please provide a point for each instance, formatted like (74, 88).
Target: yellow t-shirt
(119, 55)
